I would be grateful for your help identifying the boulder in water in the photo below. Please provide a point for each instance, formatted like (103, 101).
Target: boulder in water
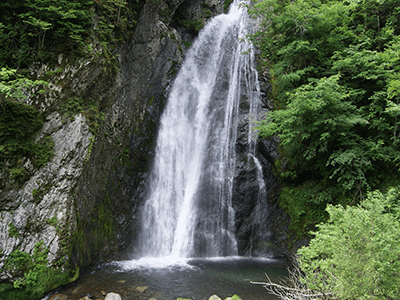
(113, 296)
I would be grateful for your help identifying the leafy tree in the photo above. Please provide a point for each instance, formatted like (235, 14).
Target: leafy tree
(15, 85)
(335, 69)
(18, 122)
(26, 26)
(356, 253)
(317, 132)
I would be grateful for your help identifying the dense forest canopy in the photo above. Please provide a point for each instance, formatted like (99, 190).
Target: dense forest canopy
(335, 71)
(37, 30)
(335, 68)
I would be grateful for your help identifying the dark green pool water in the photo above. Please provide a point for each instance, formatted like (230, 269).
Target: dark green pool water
(196, 279)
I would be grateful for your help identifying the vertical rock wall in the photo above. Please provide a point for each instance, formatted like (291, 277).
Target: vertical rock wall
(110, 190)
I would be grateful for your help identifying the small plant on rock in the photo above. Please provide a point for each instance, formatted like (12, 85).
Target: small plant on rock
(35, 276)
(12, 230)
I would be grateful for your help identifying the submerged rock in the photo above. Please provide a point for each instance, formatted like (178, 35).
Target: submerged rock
(141, 289)
(58, 297)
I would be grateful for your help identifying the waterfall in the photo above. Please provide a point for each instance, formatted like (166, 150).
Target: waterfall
(189, 211)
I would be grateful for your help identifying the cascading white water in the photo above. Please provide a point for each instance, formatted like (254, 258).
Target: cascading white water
(255, 114)
(189, 211)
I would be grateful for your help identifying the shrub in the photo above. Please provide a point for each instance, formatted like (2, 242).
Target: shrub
(35, 276)
(356, 253)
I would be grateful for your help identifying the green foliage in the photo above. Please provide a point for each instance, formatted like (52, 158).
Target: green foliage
(305, 204)
(356, 253)
(234, 297)
(29, 26)
(194, 25)
(18, 122)
(334, 67)
(52, 221)
(36, 277)
(19, 174)
(5, 287)
(71, 107)
(93, 117)
(227, 3)
(76, 105)
(38, 30)
(12, 230)
(187, 44)
(316, 130)
(44, 151)
(14, 84)
(8, 292)
(38, 193)
(205, 11)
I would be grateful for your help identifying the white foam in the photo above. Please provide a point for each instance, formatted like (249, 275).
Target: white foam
(153, 263)
(240, 258)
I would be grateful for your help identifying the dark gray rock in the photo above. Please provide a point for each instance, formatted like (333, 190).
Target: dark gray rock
(261, 225)
(115, 175)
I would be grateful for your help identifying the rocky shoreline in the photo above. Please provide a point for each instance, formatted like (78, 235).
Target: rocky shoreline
(140, 295)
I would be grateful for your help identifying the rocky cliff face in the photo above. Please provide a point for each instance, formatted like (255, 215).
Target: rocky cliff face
(43, 208)
(112, 187)
(261, 226)
(83, 205)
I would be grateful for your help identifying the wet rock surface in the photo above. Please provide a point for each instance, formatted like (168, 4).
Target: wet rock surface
(261, 225)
